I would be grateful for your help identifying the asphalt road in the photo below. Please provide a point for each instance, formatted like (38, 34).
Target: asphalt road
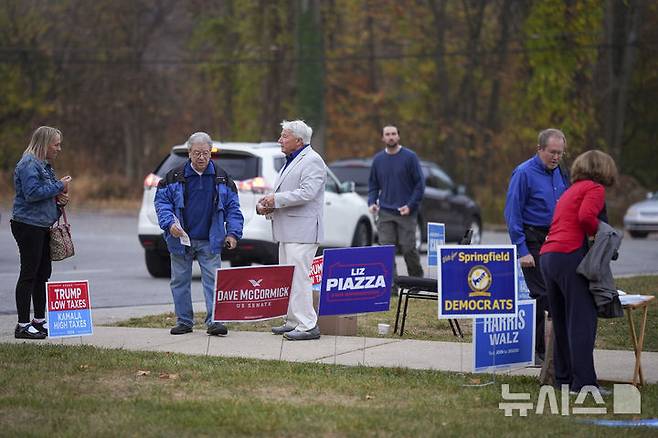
(109, 255)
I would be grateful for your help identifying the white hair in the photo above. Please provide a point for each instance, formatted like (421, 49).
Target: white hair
(299, 129)
(199, 137)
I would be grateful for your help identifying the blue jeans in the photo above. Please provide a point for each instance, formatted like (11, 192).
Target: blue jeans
(181, 280)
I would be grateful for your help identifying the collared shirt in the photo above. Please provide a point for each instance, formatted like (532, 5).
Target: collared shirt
(199, 203)
(293, 155)
(531, 198)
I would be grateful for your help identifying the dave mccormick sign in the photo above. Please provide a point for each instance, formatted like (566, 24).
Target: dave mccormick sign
(356, 280)
(477, 280)
(252, 293)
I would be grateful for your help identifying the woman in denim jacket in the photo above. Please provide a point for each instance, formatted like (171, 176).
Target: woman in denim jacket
(39, 194)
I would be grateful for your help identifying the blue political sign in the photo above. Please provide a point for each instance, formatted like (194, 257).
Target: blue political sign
(477, 280)
(436, 235)
(505, 341)
(524, 291)
(356, 280)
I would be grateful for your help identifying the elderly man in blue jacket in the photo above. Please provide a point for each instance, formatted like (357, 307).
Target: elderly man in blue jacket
(199, 211)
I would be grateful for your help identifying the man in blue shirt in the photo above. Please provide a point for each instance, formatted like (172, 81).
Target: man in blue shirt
(534, 189)
(395, 189)
(199, 211)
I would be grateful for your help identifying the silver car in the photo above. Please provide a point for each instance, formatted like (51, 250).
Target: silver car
(642, 217)
(254, 167)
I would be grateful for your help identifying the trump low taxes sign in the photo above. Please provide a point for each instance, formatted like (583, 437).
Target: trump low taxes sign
(356, 280)
(477, 280)
(69, 309)
(253, 293)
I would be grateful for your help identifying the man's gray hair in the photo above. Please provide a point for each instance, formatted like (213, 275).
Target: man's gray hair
(199, 137)
(546, 134)
(299, 129)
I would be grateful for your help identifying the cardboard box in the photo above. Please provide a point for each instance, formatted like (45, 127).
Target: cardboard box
(335, 325)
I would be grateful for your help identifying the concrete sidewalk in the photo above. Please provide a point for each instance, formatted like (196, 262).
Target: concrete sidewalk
(611, 365)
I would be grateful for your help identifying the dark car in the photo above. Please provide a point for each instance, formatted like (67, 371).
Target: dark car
(443, 201)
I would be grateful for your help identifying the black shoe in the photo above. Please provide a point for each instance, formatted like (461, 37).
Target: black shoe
(25, 333)
(217, 329)
(180, 329)
(40, 327)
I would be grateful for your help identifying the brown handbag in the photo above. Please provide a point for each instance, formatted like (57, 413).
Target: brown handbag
(61, 243)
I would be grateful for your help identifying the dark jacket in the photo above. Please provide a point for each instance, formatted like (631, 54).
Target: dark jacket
(226, 219)
(595, 266)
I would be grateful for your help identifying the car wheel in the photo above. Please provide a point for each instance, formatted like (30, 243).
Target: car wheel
(362, 235)
(158, 265)
(476, 238)
(638, 234)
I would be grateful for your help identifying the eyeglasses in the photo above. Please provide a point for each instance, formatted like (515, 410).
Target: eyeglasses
(199, 154)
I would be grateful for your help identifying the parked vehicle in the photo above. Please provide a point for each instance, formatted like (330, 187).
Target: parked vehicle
(443, 201)
(641, 218)
(254, 167)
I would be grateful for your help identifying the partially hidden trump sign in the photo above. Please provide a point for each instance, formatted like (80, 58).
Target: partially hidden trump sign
(356, 280)
(505, 341)
(252, 293)
(69, 309)
(477, 280)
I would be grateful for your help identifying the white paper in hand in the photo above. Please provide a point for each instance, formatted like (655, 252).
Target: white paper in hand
(184, 239)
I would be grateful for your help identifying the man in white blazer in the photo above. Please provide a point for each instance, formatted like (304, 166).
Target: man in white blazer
(296, 210)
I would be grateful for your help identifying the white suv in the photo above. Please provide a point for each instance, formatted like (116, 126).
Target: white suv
(254, 167)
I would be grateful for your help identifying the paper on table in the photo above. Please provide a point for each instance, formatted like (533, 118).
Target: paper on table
(632, 299)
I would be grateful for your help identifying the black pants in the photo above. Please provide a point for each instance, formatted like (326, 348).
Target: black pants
(535, 281)
(34, 248)
(574, 316)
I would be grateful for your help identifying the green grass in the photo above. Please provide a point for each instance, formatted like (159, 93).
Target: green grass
(84, 391)
(422, 322)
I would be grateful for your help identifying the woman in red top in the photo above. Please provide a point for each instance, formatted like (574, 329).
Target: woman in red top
(572, 306)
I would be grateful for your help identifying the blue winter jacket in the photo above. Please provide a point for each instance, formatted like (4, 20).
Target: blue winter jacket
(170, 202)
(36, 187)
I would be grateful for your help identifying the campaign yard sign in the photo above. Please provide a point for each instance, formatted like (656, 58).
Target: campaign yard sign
(505, 341)
(69, 309)
(477, 280)
(316, 273)
(252, 293)
(436, 235)
(356, 280)
(524, 291)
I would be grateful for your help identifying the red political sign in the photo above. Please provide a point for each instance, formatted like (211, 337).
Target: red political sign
(253, 293)
(316, 270)
(68, 295)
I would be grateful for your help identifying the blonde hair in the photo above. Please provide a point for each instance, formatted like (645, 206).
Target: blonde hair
(594, 165)
(42, 137)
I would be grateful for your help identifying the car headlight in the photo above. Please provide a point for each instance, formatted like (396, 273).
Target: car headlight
(632, 212)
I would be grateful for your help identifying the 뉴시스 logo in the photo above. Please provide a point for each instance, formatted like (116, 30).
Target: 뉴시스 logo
(479, 281)
(627, 400)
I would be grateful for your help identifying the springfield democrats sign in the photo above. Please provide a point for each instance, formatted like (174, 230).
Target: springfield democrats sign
(477, 280)
(356, 280)
(252, 293)
(69, 308)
